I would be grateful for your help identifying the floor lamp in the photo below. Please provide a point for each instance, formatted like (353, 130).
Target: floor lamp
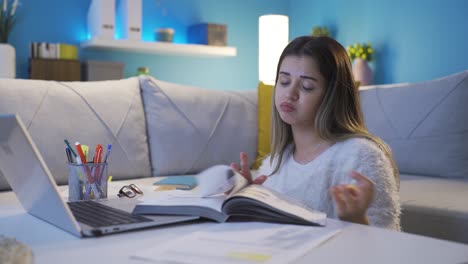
(273, 32)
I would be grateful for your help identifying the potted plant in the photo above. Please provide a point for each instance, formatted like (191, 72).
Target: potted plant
(7, 21)
(320, 32)
(361, 55)
(363, 51)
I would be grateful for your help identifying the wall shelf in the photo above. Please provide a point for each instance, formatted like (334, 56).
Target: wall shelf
(161, 48)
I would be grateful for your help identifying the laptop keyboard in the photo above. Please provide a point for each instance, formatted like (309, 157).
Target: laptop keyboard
(97, 215)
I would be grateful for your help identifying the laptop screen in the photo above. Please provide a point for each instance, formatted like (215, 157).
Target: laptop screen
(27, 174)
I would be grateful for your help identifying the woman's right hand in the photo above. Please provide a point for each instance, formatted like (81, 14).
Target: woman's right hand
(245, 170)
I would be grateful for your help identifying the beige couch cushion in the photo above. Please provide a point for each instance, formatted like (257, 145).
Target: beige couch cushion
(89, 112)
(191, 129)
(424, 123)
(435, 207)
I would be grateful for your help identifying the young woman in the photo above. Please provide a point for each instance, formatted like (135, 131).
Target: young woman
(321, 151)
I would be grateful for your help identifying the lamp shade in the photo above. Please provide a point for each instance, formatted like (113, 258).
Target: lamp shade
(273, 35)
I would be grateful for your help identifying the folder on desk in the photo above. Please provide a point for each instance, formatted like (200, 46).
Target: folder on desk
(180, 182)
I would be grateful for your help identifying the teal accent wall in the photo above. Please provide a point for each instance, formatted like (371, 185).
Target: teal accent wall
(413, 40)
(65, 21)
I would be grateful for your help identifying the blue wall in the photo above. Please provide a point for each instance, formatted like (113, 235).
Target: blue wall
(65, 21)
(414, 40)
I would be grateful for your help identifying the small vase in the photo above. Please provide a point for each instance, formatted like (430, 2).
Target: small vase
(362, 72)
(8, 61)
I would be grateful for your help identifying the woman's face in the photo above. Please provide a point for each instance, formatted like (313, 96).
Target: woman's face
(299, 91)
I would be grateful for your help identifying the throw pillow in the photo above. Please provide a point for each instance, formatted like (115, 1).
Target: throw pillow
(90, 112)
(265, 94)
(424, 123)
(191, 129)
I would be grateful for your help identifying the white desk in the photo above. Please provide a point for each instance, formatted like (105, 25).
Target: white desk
(356, 243)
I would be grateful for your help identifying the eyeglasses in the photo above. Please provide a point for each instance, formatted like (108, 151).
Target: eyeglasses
(129, 191)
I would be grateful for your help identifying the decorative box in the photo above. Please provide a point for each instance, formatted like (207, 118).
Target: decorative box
(165, 34)
(207, 34)
(101, 19)
(129, 12)
(102, 70)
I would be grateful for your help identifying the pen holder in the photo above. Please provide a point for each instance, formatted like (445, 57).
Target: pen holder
(87, 181)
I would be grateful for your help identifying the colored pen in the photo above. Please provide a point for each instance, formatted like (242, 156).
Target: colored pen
(97, 190)
(80, 152)
(69, 146)
(98, 154)
(69, 155)
(88, 187)
(85, 152)
(97, 160)
(109, 147)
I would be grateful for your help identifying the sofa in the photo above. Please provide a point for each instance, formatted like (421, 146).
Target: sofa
(159, 128)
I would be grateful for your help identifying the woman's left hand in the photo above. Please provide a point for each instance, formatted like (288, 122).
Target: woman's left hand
(352, 200)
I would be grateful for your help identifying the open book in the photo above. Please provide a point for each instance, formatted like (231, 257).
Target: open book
(209, 200)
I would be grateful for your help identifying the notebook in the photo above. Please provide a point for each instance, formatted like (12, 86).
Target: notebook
(178, 182)
(25, 170)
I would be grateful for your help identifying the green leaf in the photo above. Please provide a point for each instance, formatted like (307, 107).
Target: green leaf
(7, 22)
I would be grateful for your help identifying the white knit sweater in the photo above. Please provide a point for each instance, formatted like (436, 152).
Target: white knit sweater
(310, 183)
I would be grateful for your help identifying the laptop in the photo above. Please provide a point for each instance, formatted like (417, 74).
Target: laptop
(23, 167)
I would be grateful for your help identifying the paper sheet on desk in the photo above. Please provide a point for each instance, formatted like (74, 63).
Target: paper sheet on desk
(251, 242)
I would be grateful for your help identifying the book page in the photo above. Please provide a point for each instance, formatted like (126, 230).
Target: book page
(180, 202)
(239, 182)
(214, 180)
(186, 198)
(218, 180)
(281, 202)
(241, 243)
